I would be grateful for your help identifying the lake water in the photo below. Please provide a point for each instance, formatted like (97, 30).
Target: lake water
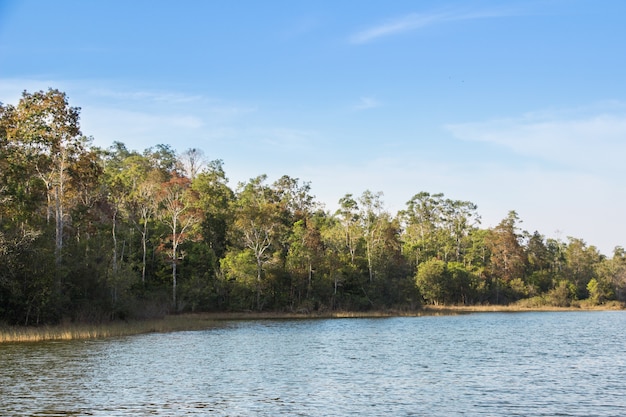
(490, 364)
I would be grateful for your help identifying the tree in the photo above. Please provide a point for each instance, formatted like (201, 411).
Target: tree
(348, 215)
(459, 218)
(299, 245)
(539, 274)
(257, 225)
(421, 219)
(21, 191)
(163, 158)
(507, 254)
(613, 272)
(192, 162)
(507, 259)
(599, 291)
(142, 208)
(580, 264)
(431, 281)
(336, 261)
(214, 201)
(306, 251)
(48, 132)
(294, 198)
(371, 216)
(178, 213)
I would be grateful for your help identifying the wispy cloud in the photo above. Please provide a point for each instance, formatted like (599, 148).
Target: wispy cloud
(11, 88)
(589, 141)
(366, 103)
(281, 139)
(414, 21)
(130, 95)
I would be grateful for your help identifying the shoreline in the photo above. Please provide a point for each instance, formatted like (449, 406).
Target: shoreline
(207, 320)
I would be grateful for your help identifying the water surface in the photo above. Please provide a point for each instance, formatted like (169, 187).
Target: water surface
(489, 364)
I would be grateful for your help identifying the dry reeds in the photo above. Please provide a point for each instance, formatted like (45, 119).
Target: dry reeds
(187, 322)
(74, 331)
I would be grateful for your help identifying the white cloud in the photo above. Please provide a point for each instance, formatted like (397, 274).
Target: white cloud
(589, 141)
(11, 88)
(564, 171)
(285, 139)
(556, 203)
(366, 103)
(151, 96)
(414, 21)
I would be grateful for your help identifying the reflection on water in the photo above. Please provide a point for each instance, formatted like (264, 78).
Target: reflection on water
(526, 364)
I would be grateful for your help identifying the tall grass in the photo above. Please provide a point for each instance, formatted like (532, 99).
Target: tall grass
(83, 331)
(200, 321)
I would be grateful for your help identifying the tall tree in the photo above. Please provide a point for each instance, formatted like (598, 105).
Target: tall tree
(613, 272)
(164, 158)
(348, 215)
(459, 218)
(581, 262)
(507, 254)
(371, 216)
(48, 131)
(257, 225)
(421, 220)
(306, 253)
(141, 208)
(192, 162)
(214, 200)
(177, 211)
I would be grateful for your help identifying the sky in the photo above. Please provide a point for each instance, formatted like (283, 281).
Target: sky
(516, 105)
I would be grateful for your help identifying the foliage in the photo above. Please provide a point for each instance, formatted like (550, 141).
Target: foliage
(88, 234)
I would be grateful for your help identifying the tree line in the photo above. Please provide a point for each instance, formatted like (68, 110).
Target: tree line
(93, 234)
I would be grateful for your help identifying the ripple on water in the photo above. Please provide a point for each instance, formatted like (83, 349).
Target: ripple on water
(531, 364)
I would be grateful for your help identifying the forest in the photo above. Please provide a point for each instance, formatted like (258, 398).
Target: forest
(90, 234)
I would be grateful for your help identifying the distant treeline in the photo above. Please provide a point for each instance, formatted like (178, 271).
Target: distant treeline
(92, 234)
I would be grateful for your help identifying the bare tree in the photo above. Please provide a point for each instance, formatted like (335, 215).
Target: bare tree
(191, 162)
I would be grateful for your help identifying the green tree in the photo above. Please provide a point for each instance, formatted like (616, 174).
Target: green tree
(257, 225)
(373, 223)
(507, 261)
(459, 219)
(421, 219)
(581, 262)
(214, 201)
(348, 216)
(177, 211)
(598, 291)
(48, 133)
(613, 272)
(337, 260)
(539, 272)
(305, 256)
(431, 281)
(163, 157)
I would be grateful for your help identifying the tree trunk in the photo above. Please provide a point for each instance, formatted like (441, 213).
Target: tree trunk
(59, 223)
(143, 246)
(259, 270)
(114, 235)
(174, 284)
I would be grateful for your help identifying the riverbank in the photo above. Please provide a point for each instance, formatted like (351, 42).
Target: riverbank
(85, 331)
(202, 321)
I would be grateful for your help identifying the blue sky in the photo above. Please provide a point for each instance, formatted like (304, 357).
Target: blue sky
(516, 105)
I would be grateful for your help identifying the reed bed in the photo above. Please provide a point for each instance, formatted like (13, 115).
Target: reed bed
(84, 331)
(201, 321)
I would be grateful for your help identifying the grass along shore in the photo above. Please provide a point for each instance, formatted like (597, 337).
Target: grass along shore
(202, 321)
(84, 331)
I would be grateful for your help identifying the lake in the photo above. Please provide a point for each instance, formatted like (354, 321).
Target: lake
(487, 364)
